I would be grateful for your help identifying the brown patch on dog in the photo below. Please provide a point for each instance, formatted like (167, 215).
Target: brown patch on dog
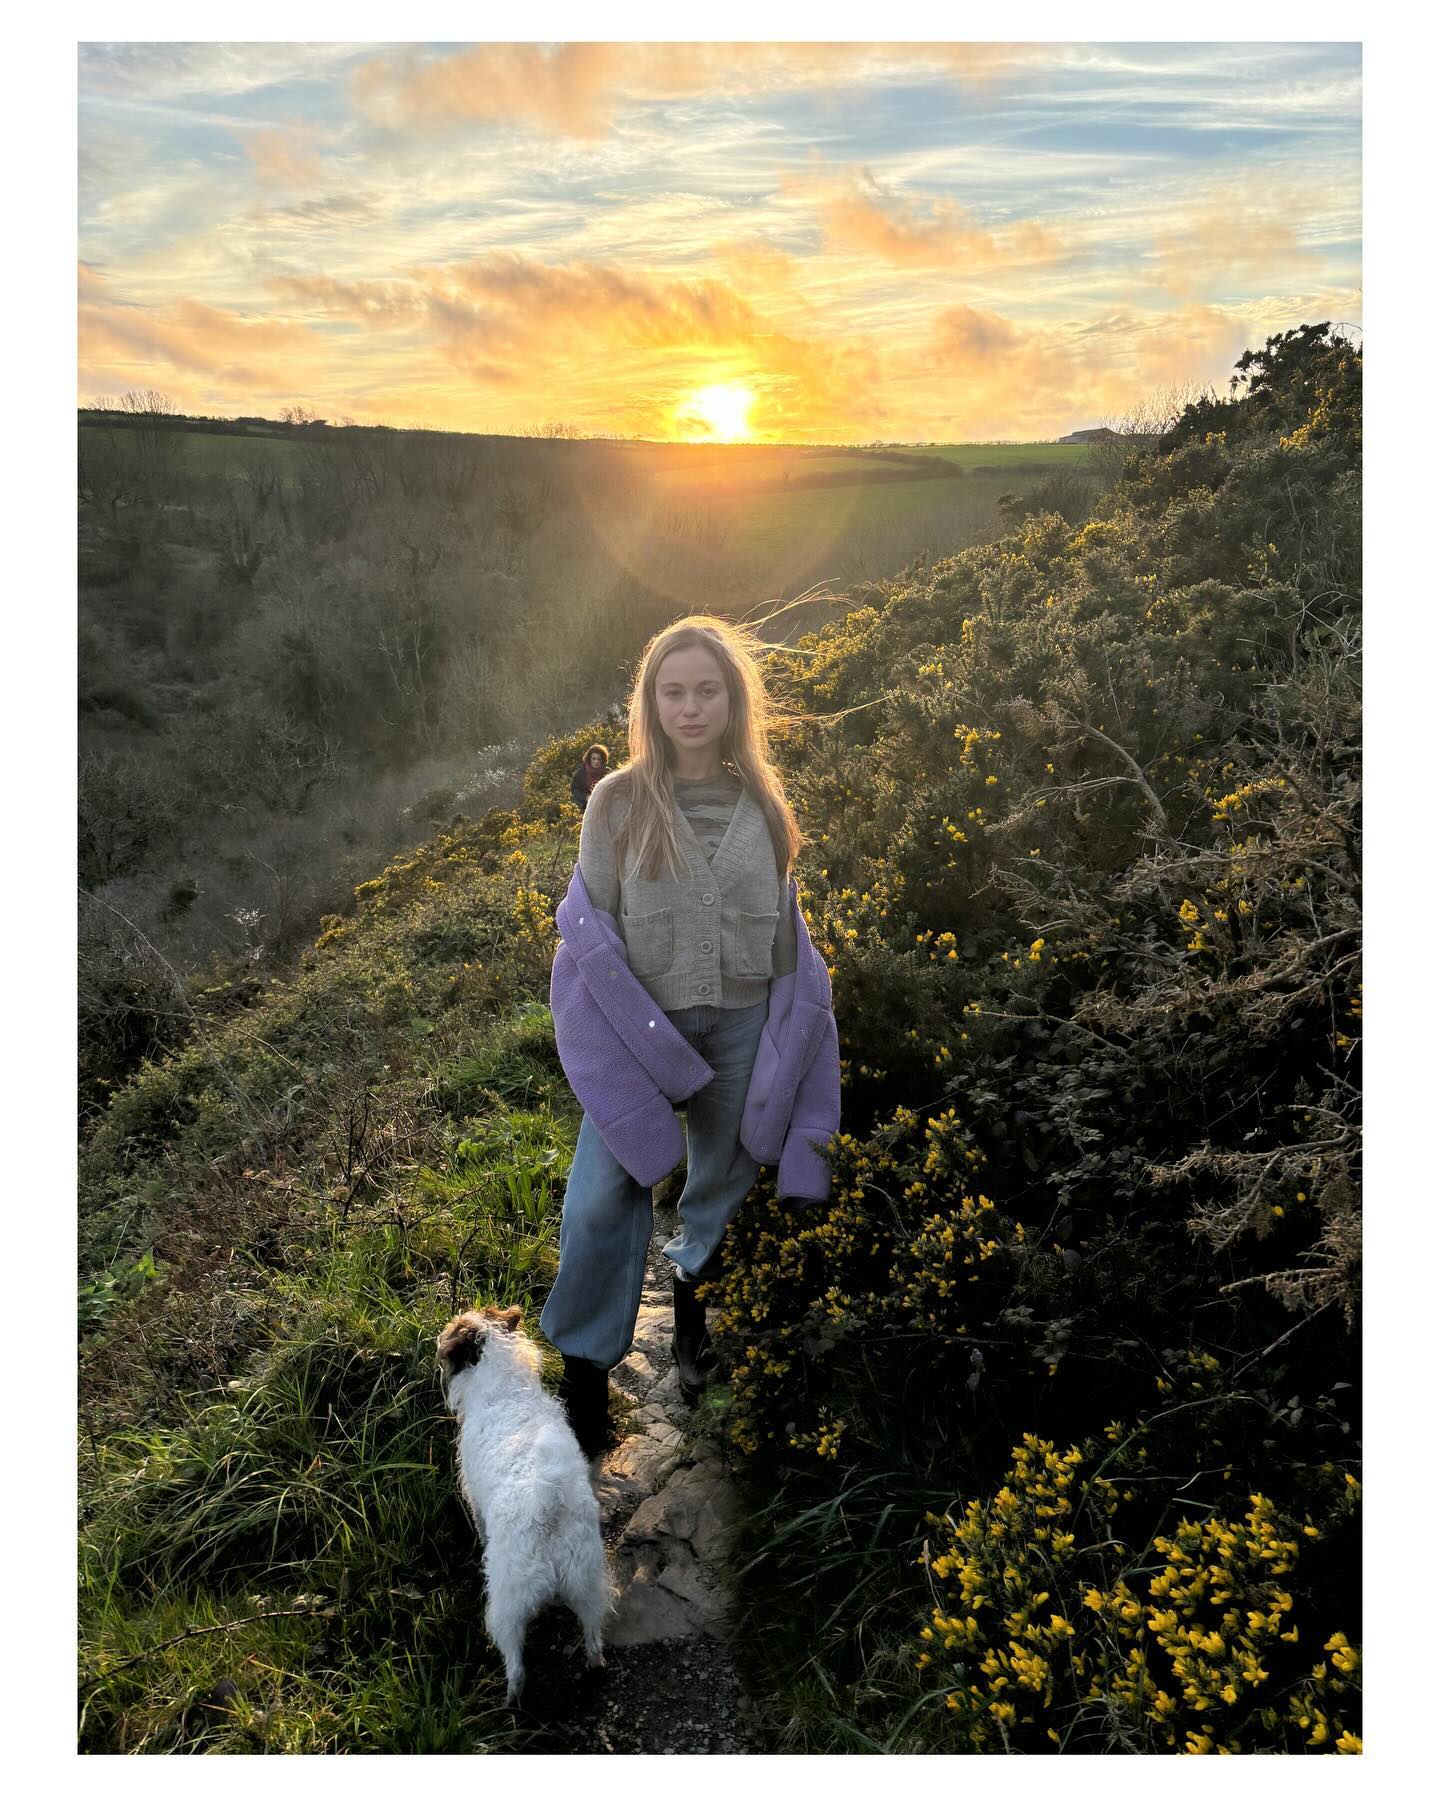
(459, 1344)
(509, 1319)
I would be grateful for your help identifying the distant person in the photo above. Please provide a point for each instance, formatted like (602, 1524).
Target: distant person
(593, 765)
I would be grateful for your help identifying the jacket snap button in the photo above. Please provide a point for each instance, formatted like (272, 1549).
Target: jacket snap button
(652, 1024)
(705, 944)
(582, 918)
(704, 988)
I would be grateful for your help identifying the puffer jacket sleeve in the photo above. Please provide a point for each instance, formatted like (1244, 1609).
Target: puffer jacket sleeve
(803, 1172)
(634, 1118)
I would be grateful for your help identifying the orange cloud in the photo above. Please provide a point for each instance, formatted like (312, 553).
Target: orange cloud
(857, 214)
(968, 339)
(1246, 231)
(504, 318)
(1007, 381)
(186, 335)
(574, 89)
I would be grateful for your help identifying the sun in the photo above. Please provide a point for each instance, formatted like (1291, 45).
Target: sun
(719, 411)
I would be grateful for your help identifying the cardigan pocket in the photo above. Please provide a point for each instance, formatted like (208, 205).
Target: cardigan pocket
(650, 941)
(752, 938)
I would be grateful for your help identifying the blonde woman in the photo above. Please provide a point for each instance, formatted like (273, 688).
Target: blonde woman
(685, 972)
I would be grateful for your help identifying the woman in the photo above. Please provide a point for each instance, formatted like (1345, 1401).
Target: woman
(588, 771)
(687, 849)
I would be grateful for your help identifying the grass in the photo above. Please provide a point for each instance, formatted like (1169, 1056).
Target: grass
(862, 529)
(279, 1560)
(1040, 456)
(825, 1578)
(217, 453)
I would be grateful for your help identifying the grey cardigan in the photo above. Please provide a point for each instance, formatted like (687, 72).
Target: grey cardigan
(713, 938)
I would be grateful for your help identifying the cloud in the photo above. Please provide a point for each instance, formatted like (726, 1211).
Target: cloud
(1009, 381)
(1245, 231)
(504, 318)
(205, 68)
(517, 307)
(284, 156)
(757, 263)
(860, 216)
(576, 89)
(967, 339)
(136, 343)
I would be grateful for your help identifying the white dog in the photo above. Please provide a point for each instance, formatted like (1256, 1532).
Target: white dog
(526, 1484)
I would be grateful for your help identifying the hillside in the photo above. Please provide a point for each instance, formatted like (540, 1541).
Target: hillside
(1050, 1420)
(300, 646)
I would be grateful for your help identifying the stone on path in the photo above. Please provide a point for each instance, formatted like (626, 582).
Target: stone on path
(669, 1685)
(665, 1499)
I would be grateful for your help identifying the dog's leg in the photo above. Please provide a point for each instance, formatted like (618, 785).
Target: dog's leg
(587, 1593)
(505, 1621)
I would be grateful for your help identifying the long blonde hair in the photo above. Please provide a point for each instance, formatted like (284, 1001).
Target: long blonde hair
(648, 830)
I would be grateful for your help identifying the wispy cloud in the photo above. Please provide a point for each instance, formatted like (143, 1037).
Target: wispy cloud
(576, 89)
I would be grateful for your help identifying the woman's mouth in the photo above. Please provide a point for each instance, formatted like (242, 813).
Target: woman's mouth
(692, 730)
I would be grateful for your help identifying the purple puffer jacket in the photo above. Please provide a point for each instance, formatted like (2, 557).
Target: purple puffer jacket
(629, 1066)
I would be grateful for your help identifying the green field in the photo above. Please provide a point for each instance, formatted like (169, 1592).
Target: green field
(212, 452)
(766, 526)
(1009, 456)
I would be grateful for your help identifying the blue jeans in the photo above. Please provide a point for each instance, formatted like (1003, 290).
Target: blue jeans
(607, 1220)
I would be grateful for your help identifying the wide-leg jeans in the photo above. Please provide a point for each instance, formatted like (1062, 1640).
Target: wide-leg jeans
(608, 1217)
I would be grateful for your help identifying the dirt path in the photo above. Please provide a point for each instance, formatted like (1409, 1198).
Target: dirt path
(669, 1686)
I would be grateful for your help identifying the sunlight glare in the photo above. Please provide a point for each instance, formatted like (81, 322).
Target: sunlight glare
(719, 411)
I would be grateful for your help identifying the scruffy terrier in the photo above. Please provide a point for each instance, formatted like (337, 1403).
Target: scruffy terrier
(526, 1484)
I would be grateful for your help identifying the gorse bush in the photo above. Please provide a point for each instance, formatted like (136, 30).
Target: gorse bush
(1049, 1632)
(1096, 971)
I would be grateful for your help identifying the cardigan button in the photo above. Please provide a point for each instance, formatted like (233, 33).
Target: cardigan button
(703, 988)
(707, 899)
(705, 944)
(652, 1024)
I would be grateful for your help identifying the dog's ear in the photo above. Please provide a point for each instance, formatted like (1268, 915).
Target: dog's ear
(507, 1320)
(459, 1345)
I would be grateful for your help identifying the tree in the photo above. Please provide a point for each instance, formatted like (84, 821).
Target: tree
(1142, 427)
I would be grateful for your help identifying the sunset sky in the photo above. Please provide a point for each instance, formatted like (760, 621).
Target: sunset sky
(799, 242)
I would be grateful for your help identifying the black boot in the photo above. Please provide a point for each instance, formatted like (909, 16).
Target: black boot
(694, 1354)
(585, 1393)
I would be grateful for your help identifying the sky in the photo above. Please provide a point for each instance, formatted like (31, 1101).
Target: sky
(803, 242)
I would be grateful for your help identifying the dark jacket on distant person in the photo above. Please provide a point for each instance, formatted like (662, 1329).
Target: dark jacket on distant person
(584, 779)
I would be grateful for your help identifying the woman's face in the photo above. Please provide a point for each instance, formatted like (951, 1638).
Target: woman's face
(597, 761)
(690, 692)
